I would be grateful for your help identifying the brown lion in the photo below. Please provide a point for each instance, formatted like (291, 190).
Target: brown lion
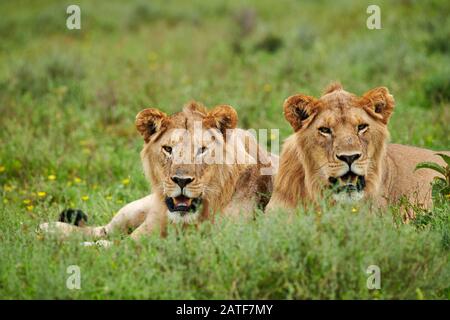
(341, 143)
(198, 164)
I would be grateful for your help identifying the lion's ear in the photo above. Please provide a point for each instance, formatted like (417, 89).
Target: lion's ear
(298, 109)
(149, 121)
(222, 117)
(379, 103)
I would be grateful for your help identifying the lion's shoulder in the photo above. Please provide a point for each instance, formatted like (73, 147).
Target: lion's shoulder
(254, 184)
(400, 176)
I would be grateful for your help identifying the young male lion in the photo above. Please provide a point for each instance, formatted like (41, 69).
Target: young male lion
(341, 143)
(198, 164)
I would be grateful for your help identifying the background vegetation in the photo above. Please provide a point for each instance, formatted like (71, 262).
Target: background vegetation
(68, 99)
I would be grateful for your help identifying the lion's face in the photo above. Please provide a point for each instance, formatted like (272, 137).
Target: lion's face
(176, 153)
(341, 138)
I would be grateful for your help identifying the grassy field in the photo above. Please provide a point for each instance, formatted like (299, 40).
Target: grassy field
(68, 99)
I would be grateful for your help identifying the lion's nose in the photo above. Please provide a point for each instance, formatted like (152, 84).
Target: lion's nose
(349, 159)
(182, 181)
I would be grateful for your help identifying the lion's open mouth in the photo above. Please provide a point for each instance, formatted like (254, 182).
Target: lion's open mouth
(182, 204)
(349, 182)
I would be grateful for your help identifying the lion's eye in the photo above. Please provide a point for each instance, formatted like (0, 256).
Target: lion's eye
(201, 150)
(325, 130)
(362, 126)
(167, 149)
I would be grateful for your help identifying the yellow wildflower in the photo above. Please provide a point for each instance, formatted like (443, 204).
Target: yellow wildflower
(8, 188)
(30, 208)
(77, 180)
(85, 198)
(152, 56)
(354, 210)
(2, 168)
(125, 181)
(51, 177)
(41, 194)
(5, 200)
(267, 87)
(27, 201)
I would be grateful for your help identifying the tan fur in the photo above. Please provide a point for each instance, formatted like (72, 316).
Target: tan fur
(230, 189)
(309, 157)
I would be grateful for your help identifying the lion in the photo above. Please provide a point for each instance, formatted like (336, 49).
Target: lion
(199, 164)
(341, 144)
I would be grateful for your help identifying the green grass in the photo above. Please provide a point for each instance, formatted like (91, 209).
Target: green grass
(68, 101)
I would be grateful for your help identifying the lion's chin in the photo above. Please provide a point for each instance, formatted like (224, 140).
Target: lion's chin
(348, 188)
(348, 197)
(183, 218)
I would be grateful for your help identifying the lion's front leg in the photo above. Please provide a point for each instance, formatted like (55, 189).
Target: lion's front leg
(63, 230)
(132, 215)
(129, 217)
(155, 221)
